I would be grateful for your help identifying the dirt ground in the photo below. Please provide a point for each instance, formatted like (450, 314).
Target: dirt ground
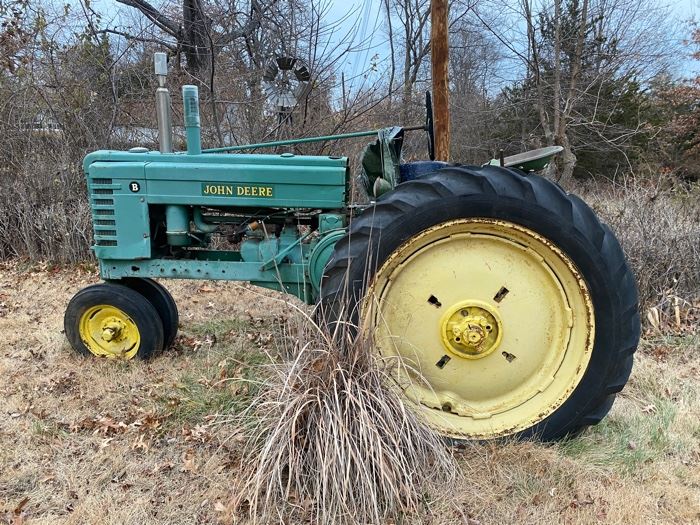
(88, 441)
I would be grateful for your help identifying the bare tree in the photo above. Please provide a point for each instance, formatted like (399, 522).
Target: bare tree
(573, 52)
(196, 34)
(408, 28)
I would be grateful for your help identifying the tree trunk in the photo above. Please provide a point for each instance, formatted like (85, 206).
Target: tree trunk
(567, 162)
(407, 86)
(556, 102)
(534, 67)
(195, 37)
(568, 158)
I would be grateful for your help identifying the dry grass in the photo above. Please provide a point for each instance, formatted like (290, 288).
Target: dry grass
(332, 443)
(94, 442)
(90, 441)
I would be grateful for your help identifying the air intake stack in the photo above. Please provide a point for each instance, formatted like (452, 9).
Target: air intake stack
(190, 101)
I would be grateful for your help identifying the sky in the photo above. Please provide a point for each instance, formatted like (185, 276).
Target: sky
(367, 19)
(375, 39)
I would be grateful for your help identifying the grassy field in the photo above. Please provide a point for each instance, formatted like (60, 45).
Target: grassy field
(85, 441)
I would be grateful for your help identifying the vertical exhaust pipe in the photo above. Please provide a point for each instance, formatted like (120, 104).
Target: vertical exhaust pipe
(190, 102)
(165, 124)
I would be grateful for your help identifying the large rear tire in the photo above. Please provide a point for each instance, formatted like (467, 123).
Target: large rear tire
(509, 305)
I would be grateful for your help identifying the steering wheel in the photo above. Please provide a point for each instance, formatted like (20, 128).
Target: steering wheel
(429, 125)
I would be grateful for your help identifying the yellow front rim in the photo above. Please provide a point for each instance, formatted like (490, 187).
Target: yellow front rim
(107, 331)
(491, 323)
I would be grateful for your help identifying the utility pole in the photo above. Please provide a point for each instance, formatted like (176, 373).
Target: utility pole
(439, 53)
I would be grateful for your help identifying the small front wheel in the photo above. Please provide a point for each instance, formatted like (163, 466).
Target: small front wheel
(162, 301)
(113, 321)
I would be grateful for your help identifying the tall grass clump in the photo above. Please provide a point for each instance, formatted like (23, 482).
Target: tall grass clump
(334, 443)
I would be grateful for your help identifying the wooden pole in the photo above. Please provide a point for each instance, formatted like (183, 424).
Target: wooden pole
(439, 52)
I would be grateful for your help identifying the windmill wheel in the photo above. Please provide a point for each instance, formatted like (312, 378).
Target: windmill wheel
(286, 81)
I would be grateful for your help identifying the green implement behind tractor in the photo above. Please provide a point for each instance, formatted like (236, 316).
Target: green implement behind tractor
(507, 304)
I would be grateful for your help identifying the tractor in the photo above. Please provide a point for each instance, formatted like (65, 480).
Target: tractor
(510, 304)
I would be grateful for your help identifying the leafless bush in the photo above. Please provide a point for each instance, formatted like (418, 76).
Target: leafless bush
(659, 229)
(45, 212)
(335, 443)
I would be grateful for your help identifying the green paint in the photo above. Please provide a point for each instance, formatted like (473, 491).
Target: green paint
(290, 278)
(146, 208)
(320, 255)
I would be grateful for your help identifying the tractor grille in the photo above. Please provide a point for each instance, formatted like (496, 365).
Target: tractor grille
(103, 211)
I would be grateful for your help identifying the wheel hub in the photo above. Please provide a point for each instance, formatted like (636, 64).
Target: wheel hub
(471, 329)
(112, 329)
(109, 332)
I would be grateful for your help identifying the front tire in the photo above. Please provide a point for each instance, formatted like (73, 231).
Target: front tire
(510, 306)
(112, 321)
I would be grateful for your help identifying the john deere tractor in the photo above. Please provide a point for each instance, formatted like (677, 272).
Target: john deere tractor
(508, 301)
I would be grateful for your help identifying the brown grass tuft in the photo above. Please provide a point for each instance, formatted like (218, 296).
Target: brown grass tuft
(336, 444)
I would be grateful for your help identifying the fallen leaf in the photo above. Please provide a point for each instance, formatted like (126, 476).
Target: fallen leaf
(188, 461)
(163, 467)
(21, 505)
(18, 516)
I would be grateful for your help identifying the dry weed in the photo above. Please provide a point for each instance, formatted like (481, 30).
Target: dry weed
(659, 229)
(334, 443)
(640, 465)
(46, 213)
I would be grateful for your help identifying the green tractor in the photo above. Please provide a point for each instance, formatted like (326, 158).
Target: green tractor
(508, 303)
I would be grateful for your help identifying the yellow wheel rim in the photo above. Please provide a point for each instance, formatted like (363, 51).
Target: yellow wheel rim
(491, 326)
(109, 332)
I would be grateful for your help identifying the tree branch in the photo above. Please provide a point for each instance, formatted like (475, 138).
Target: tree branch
(155, 16)
(249, 27)
(128, 36)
